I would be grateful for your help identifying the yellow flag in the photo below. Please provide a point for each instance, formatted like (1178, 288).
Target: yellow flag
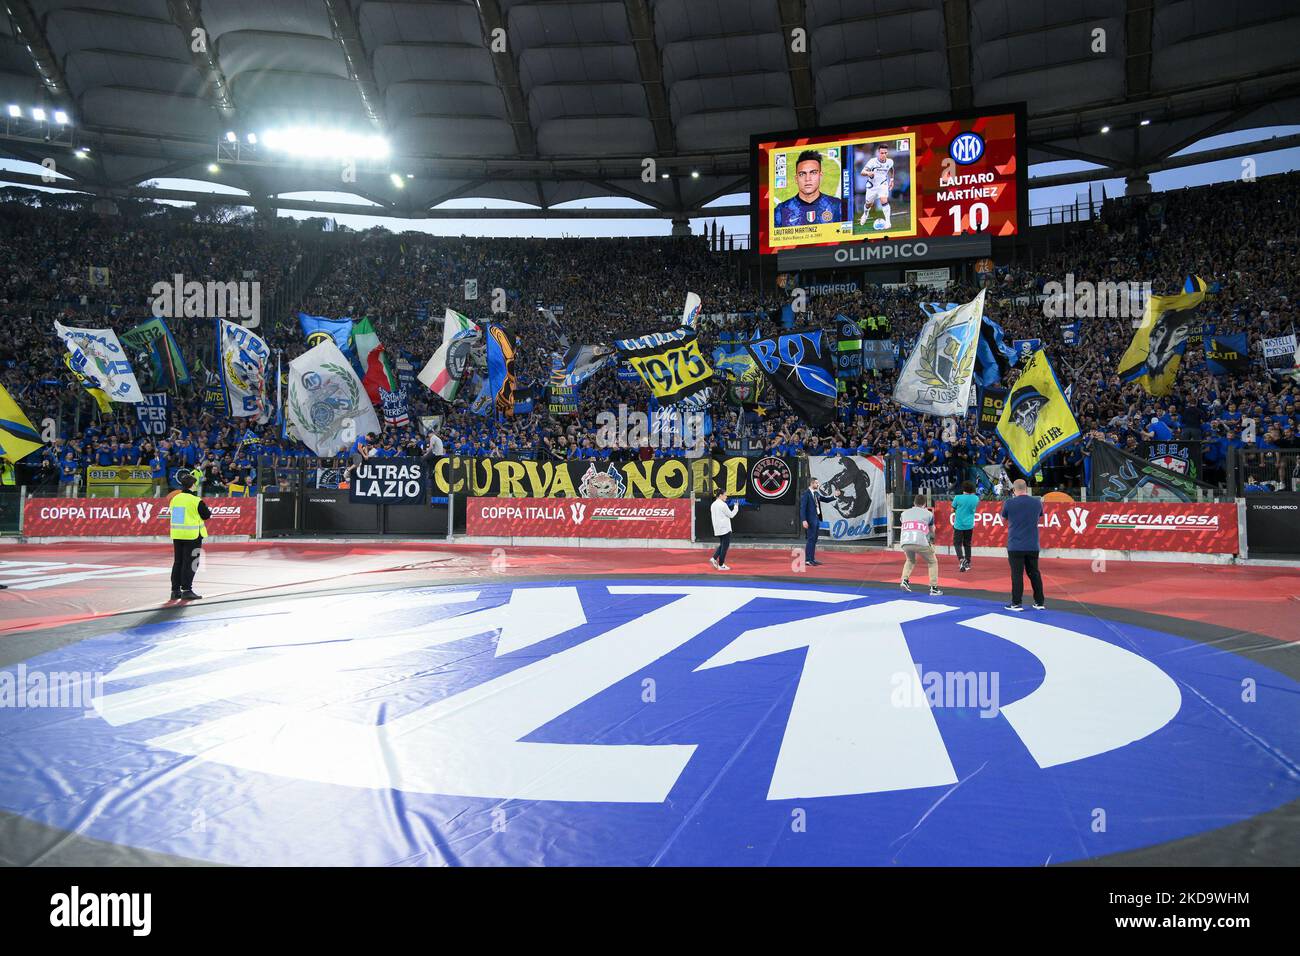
(98, 394)
(18, 438)
(1036, 419)
(1153, 357)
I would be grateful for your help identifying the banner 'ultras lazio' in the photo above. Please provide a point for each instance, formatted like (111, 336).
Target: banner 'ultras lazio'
(245, 360)
(670, 363)
(937, 377)
(327, 406)
(98, 356)
(801, 367)
(1036, 419)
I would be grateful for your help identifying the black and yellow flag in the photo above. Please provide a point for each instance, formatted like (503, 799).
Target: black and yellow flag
(18, 438)
(1153, 357)
(1036, 419)
(98, 394)
(670, 363)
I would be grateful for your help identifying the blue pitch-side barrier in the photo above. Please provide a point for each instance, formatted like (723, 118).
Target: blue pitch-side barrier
(650, 721)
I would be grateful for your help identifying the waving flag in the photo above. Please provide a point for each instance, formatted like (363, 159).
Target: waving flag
(1228, 354)
(580, 363)
(691, 310)
(445, 372)
(801, 367)
(937, 378)
(670, 363)
(102, 401)
(374, 361)
(1153, 357)
(1036, 419)
(154, 337)
(327, 408)
(18, 438)
(553, 327)
(244, 361)
(316, 329)
(99, 358)
(501, 369)
(993, 355)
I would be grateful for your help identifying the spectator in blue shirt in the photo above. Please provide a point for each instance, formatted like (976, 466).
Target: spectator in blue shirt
(963, 523)
(69, 472)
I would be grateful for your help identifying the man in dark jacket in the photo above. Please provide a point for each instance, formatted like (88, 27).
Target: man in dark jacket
(810, 514)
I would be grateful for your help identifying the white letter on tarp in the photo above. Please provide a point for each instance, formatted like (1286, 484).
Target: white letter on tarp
(845, 734)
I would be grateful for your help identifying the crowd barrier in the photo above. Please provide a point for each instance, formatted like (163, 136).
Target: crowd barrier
(1273, 524)
(1258, 527)
(1172, 527)
(329, 513)
(652, 518)
(129, 517)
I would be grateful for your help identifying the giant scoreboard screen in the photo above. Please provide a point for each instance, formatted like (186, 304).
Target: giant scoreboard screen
(948, 175)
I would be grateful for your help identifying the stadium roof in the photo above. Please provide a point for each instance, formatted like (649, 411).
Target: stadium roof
(582, 91)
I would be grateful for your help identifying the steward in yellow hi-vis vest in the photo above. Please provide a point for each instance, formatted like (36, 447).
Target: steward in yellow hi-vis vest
(188, 512)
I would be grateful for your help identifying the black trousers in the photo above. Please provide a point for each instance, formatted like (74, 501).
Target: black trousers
(1025, 562)
(185, 561)
(961, 542)
(720, 553)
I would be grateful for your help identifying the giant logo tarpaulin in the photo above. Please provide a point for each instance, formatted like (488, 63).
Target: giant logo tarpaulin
(579, 518)
(1116, 526)
(129, 517)
(663, 478)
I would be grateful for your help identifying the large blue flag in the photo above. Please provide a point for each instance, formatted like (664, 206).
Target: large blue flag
(1228, 354)
(317, 328)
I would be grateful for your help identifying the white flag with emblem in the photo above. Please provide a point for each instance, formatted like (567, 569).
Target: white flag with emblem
(327, 406)
(97, 354)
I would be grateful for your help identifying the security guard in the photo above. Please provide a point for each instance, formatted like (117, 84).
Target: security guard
(188, 531)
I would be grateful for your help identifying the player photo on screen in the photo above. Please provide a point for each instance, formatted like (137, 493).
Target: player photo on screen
(806, 188)
(882, 187)
(933, 177)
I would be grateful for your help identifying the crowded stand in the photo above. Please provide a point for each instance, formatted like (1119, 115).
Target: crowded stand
(71, 265)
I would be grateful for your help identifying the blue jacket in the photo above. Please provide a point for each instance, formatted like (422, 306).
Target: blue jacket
(808, 508)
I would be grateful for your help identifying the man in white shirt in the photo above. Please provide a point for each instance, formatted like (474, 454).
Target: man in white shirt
(917, 538)
(879, 170)
(721, 515)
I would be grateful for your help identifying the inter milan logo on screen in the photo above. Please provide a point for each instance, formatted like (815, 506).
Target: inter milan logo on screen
(966, 148)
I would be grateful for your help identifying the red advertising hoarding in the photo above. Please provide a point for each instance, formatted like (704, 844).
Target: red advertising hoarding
(1114, 526)
(579, 517)
(134, 517)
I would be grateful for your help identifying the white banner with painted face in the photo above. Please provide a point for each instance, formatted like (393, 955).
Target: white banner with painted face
(97, 354)
(861, 509)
